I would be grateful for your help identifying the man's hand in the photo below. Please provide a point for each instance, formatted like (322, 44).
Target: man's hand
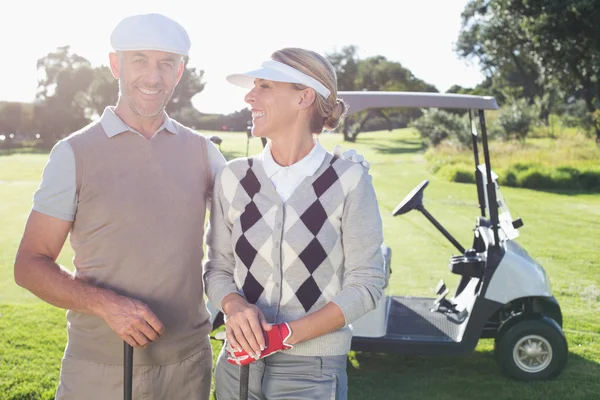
(244, 325)
(132, 320)
(351, 155)
(276, 337)
(36, 270)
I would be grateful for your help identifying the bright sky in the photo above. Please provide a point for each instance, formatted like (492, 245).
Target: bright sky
(236, 35)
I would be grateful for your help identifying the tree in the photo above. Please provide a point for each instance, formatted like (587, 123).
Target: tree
(345, 63)
(71, 93)
(62, 94)
(377, 74)
(494, 36)
(189, 85)
(11, 117)
(103, 91)
(63, 74)
(542, 50)
(566, 38)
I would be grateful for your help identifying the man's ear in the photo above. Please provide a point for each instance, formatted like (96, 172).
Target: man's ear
(115, 68)
(307, 98)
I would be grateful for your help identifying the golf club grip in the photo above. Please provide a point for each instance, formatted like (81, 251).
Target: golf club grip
(244, 376)
(127, 371)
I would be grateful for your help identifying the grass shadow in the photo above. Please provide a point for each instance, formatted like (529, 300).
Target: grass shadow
(566, 192)
(399, 146)
(24, 150)
(389, 376)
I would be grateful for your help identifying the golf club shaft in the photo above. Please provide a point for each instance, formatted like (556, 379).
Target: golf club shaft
(127, 371)
(244, 376)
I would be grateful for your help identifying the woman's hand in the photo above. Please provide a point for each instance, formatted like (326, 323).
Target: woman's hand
(244, 325)
(276, 342)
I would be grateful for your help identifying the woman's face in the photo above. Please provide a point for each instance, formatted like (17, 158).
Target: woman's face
(274, 107)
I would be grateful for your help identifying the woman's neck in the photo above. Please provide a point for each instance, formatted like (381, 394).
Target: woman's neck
(288, 149)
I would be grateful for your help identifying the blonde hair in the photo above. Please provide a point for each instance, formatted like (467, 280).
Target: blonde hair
(327, 112)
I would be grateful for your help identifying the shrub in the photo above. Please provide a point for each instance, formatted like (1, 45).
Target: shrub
(535, 178)
(590, 180)
(457, 173)
(561, 178)
(509, 178)
(515, 119)
(436, 126)
(576, 115)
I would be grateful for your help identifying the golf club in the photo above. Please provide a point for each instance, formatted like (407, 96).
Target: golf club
(244, 375)
(127, 371)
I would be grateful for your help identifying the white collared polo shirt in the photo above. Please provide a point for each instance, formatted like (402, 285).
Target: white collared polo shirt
(56, 195)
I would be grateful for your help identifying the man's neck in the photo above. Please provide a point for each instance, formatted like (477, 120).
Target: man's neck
(147, 126)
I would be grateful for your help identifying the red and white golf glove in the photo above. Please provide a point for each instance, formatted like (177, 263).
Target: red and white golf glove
(276, 341)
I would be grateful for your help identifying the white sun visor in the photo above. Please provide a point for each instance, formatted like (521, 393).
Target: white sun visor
(275, 71)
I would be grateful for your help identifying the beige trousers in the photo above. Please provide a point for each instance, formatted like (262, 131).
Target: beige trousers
(186, 380)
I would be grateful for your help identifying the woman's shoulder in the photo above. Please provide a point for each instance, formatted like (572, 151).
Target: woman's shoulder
(347, 172)
(238, 166)
(345, 166)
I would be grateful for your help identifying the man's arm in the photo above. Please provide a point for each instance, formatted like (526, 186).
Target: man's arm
(216, 160)
(37, 271)
(54, 209)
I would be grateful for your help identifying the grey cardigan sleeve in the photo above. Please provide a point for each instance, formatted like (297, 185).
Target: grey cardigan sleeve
(362, 237)
(220, 264)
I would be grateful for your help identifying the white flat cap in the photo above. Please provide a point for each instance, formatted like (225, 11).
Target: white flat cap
(150, 32)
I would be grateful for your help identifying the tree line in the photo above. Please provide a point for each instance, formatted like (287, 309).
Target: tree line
(541, 55)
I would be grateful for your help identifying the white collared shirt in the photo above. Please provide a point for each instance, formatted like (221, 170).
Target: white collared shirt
(113, 124)
(56, 195)
(287, 179)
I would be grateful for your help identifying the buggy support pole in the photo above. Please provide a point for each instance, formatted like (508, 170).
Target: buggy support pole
(490, 189)
(478, 178)
(127, 371)
(244, 377)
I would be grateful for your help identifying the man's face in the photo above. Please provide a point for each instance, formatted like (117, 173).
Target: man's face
(147, 79)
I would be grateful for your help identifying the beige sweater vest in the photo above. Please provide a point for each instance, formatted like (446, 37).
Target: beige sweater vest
(138, 231)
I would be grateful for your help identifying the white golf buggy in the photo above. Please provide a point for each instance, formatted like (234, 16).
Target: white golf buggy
(502, 293)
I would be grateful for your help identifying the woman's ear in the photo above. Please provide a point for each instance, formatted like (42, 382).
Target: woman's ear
(307, 98)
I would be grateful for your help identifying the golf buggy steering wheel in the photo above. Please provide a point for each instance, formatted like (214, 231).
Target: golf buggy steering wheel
(414, 200)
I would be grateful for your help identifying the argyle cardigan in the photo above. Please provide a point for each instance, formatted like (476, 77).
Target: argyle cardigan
(290, 259)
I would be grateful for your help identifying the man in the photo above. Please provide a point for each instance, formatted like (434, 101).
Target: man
(132, 190)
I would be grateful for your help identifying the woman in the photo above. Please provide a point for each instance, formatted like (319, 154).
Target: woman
(294, 242)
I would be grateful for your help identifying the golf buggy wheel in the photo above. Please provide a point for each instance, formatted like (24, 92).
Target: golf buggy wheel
(534, 349)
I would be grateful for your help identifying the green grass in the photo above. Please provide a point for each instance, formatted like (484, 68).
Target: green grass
(560, 232)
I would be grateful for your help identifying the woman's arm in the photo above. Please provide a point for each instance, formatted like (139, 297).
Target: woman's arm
(362, 287)
(220, 262)
(244, 321)
(328, 319)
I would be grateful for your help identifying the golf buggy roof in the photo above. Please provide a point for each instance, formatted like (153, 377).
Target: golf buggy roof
(476, 105)
(362, 100)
